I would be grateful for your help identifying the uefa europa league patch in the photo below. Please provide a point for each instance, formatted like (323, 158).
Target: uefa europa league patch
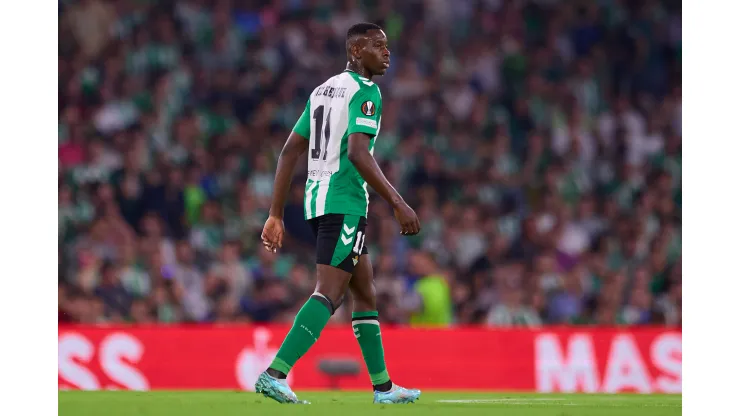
(368, 108)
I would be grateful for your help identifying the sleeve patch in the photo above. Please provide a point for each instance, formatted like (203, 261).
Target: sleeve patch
(368, 108)
(367, 122)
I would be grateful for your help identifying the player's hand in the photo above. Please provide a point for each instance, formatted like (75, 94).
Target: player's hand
(272, 234)
(407, 219)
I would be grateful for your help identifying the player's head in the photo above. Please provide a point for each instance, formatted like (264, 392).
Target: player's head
(367, 46)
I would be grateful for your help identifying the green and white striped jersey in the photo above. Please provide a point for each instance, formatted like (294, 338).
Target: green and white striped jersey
(346, 103)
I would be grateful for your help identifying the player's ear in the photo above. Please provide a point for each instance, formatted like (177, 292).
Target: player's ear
(355, 49)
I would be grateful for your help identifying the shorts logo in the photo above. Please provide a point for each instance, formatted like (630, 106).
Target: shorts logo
(368, 108)
(348, 231)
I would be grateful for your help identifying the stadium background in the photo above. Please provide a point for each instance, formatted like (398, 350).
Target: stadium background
(539, 142)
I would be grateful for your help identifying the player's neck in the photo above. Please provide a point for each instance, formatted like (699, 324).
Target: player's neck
(358, 69)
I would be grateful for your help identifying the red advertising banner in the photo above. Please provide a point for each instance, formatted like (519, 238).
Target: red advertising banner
(609, 360)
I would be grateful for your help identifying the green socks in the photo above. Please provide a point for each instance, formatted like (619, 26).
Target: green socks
(307, 327)
(309, 322)
(367, 332)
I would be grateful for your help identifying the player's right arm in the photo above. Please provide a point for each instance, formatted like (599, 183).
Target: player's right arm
(294, 148)
(364, 119)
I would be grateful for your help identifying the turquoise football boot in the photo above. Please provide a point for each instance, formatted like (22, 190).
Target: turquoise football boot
(276, 389)
(396, 395)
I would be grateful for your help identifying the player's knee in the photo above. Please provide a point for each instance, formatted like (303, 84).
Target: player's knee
(331, 304)
(331, 292)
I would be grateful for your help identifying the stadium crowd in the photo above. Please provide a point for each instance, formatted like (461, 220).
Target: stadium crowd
(538, 140)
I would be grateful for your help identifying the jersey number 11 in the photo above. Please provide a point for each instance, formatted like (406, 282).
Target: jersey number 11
(318, 116)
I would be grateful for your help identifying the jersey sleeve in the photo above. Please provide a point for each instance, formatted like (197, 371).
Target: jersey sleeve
(364, 112)
(303, 125)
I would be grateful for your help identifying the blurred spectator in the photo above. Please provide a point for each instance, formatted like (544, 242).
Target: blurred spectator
(512, 312)
(539, 142)
(568, 303)
(230, 272)
(90, 21)
(430, 301)
(115, 298)
(188, 279)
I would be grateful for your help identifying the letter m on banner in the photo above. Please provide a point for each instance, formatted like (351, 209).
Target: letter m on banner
(569, 371)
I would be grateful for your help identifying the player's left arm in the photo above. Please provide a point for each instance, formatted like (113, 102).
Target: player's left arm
(364, 122)
(363, 125)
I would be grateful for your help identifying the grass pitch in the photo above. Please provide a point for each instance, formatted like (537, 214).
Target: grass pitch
(431, 403)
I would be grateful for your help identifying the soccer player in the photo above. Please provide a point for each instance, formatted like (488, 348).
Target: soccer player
(339, 127)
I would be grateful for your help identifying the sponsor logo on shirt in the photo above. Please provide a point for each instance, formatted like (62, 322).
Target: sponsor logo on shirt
(318, 174)
(367, 122)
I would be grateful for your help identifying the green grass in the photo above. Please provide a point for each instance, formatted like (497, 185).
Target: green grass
(218, 403)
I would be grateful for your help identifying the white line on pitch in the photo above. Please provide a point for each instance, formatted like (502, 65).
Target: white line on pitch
(509, 400)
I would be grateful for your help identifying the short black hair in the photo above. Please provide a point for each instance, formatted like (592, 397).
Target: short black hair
(361, 29)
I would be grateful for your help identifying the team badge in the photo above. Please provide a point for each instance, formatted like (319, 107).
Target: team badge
(368, 108)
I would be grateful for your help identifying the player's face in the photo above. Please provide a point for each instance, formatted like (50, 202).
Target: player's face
(375, 54)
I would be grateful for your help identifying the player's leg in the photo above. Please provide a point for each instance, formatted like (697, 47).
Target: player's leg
(335, 238)
(307, 326)
(366, 327)
(311, 319)
(365, 324)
